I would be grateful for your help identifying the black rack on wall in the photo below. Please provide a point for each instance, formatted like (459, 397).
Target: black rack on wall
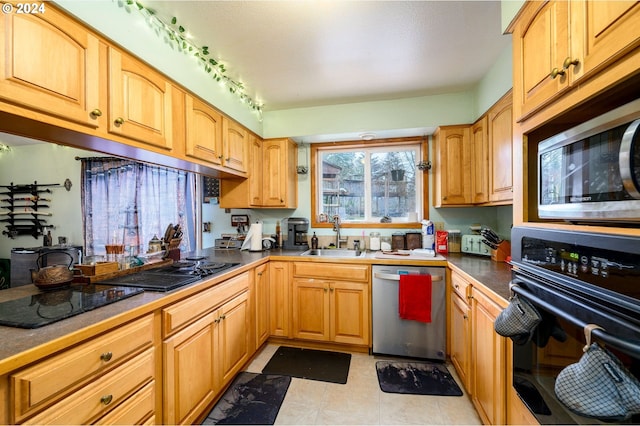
(24, 208)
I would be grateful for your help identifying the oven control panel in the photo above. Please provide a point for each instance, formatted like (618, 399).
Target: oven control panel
(604, 268)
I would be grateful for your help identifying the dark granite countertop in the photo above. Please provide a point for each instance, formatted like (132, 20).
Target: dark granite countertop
(22, 346)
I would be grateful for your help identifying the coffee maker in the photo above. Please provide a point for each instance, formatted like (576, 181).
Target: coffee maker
(297, 228)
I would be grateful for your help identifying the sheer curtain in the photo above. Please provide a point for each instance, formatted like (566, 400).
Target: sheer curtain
(126, 202)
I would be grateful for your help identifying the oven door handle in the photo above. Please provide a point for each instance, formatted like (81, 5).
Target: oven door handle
(631, 348)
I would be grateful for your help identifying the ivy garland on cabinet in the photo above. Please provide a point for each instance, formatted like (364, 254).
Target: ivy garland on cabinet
(176, 35)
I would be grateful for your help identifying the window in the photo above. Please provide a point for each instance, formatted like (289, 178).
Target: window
(126, 202)
(374, 184)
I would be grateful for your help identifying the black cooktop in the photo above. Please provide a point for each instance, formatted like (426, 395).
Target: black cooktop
(170, 277)
(51, 306)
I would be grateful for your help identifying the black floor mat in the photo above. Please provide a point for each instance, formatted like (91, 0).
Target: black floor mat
(252, 399)
(310, 364)
(419, 378)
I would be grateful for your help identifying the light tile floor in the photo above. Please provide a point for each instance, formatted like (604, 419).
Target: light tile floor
(361, 402)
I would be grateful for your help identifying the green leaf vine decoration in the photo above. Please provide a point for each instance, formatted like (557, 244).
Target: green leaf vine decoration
(176, 35)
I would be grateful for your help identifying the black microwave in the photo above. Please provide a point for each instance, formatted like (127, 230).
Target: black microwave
(591, 172)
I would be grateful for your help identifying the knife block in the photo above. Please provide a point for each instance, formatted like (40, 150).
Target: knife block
(502, 252)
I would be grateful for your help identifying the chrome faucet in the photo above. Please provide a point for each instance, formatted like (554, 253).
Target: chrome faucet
(336, 228)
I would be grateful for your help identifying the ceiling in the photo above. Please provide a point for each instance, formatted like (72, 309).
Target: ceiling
(304, 53)
(292, 54)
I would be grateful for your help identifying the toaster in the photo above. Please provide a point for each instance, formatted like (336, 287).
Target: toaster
(472, 244)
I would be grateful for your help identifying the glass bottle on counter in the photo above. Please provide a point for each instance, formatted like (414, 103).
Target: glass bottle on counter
(314, 241)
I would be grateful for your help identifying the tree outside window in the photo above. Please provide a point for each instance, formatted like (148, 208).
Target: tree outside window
(377, 184)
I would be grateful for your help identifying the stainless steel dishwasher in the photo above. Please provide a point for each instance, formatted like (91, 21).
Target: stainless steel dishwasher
(393, 335)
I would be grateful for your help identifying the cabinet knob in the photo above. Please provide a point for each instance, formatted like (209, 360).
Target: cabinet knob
(259, 274)
(220, 157)
(96, 113)
(325, 289)
(223, 317)
(106, 399)
(568, 62)
(119, 121)
(216, 321)
(106, 356)
(465, 316)
(556, 72)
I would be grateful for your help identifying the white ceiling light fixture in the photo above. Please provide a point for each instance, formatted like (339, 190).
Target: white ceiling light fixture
(4, 148)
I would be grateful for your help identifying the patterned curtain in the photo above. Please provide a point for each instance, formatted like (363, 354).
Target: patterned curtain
(126, 202)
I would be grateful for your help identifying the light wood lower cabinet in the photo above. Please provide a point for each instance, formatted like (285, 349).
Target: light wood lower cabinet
(261, 286)
(460, 328)
(279, 294)
(202, 358)
(98, 397)
(488, 354)
(71, 373)
(327, 309)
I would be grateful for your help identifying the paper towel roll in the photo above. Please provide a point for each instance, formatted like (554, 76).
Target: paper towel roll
(255, 233)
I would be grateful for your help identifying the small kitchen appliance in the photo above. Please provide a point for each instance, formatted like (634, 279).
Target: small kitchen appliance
(297, 228)
(472, 244)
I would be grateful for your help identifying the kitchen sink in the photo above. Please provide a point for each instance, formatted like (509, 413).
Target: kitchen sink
(334, 253)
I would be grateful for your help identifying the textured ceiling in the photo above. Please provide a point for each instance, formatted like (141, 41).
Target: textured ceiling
(318, 52)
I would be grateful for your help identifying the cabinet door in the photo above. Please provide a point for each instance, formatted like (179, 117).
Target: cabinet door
(501, 148)
(460, 333)
(235, 145)
(256, 174)
(311, 309)
(190, 381)
(453, 166)
(139, 101)
(610, 30)
(480, 161)
(233, 339)
(349, 312)
(48, 63)
(488, 358)
(279, 298)
(262, 304)
(274, 180)
(541, 43)
(204, 131)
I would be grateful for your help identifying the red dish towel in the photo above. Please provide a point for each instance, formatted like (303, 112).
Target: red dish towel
(415, 297)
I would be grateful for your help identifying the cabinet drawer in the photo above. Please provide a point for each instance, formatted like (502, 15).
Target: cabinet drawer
(460, 286)
(41, 383)
(182, 313)
(135, 410)
(99, 396)
(330, 271)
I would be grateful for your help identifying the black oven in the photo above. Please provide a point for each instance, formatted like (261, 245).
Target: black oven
(573, 279)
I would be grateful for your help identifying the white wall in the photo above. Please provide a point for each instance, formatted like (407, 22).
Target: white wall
(46, 164)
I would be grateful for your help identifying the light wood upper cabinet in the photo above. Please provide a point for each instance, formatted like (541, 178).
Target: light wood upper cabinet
(139, 101)
(280, 181)
(50, 64)
(272, 182)
(500, 123)
(480, 161)
(235, 145)
(557, 44)
(452, 166)
(203, 131)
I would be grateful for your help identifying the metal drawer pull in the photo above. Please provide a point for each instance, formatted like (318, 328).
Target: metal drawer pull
(106, 356)
(106, 400)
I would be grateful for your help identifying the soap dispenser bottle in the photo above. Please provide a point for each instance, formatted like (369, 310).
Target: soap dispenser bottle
(314, 241)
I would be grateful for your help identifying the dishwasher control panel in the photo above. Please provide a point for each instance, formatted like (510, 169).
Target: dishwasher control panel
(473, 244)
